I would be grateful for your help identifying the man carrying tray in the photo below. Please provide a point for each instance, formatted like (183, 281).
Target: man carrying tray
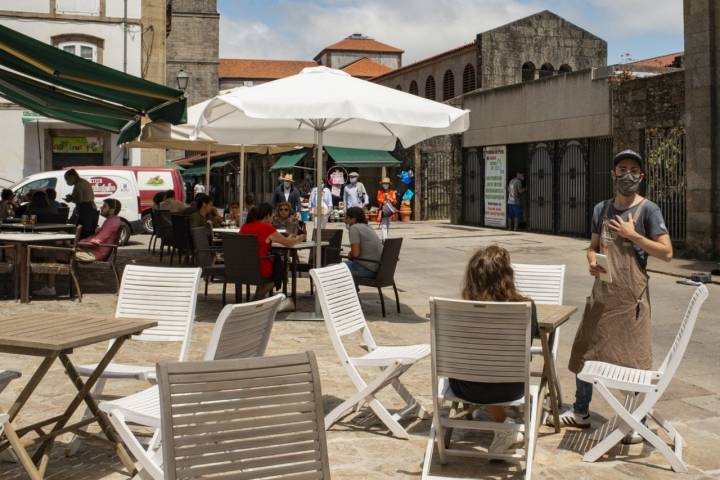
(615, 328)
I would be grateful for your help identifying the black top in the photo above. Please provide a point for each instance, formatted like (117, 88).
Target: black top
(293, 198)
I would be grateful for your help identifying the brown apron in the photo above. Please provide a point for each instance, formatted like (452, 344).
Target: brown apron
(616, 323)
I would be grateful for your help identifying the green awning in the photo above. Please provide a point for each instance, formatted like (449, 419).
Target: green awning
(358, 157)
(199, 170)
(58, 84)
(289, 160)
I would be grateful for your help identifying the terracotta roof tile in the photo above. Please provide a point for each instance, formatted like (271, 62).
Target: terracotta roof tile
(362, 45)
(366, 68)
(261, 69)
(661, 61)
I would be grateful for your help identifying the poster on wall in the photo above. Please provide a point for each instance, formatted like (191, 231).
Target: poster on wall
(495, 186)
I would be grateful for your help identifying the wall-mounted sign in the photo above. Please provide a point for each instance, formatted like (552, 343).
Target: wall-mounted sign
(102, 186)
(77, 144)
(495, 190)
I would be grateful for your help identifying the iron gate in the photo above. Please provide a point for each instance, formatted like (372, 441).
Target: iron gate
(436, 181)
(540, 216)
(572, 191)
(600, 155)
(666, 180)
(473, 187)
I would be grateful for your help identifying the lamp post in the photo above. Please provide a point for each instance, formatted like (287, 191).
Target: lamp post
(182, 79)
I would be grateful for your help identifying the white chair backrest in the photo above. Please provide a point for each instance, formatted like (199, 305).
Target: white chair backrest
(544, 284)
(480, 341)
(340, 304)
(243, 330)
(677, 350)
(166, 295)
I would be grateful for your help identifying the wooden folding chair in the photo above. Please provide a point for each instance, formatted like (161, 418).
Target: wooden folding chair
(7, 430)
(253, 418)
(479, 342)
(643, 389)
(241, 331)
(344, 316)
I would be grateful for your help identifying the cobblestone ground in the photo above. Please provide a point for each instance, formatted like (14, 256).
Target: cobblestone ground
(432, 262)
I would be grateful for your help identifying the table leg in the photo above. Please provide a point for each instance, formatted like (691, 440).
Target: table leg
(285, 273)
(549, 374)
(31, 385)
(21, 453)
(21, 265)
(294, 277)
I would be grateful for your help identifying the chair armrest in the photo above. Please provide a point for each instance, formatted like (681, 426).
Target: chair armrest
(90, 244)
(49, 248)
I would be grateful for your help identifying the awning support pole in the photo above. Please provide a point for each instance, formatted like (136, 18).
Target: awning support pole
(207, 173)
(241, 181)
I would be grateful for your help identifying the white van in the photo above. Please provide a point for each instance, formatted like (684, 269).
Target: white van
(106, 183)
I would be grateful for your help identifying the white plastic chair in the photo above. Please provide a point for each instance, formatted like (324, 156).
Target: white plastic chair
(166, 295)
(643, 389)
(6, 429)
(344, 316)
(241, 331)
(479, 342)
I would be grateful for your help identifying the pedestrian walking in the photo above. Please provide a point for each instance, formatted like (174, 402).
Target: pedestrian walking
(287, 192)
(354, 193)
(321, 209)
(615, 328)
(387, 201)
(514, 202)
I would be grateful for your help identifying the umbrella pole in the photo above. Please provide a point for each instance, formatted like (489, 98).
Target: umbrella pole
(241, 180)
(207, 173)
(319, 196)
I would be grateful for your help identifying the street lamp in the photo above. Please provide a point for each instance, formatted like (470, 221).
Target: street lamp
(182, 79)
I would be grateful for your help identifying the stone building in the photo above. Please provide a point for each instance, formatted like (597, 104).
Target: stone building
(193, 46)
(536, 46)
(356, 47)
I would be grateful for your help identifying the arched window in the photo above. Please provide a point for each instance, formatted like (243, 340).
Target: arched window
(547, 70)
(430, 88)
(398, 87)
(468, 78)
(413, 87)
(448, 85)
(565, 68)
(528, 72)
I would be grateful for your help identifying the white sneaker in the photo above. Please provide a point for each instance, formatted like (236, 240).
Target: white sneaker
(45, 291)
(632, 438)
(568, 418)
(504, 440)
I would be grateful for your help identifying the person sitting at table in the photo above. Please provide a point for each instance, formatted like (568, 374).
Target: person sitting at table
(92, 248)
(234, 212)
(170, 203)
(157, 200)
(489, 277)
(284, 219)
(249, 205)
(259, 224)
(365, 246)
(7, 204)
(52, 199)
(39, 205)
(202, 216)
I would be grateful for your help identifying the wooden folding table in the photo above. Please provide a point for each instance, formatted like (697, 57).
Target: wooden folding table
(54, 336)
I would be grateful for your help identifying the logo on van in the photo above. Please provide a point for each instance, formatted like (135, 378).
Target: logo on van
(103, 186)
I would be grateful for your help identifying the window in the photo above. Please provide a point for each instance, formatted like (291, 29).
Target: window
(547, 70)
(413, 87)
(528, 72)
(28, 188)
(565, 68)
(430, 88)
(85, 50)
(468, 78)
(448, 85)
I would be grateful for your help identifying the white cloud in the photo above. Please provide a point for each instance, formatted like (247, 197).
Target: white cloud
(633, 17)
(252, 39)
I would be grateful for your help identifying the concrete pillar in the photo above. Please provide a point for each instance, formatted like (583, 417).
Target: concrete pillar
(702, 87)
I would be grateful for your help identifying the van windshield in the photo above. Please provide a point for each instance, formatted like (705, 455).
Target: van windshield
(21, 193)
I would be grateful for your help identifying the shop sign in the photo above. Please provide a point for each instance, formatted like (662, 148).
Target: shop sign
(103, 186)
(495, 185)
(77, 144)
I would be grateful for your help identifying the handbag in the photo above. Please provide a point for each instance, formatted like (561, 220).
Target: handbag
(388, 209)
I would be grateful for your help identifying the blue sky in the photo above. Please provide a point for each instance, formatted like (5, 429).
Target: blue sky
(298, 29)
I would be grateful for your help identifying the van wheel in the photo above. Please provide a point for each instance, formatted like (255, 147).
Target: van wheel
(147, 223)
(125, 233)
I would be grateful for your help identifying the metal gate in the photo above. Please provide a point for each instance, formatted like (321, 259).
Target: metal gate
(540, 189)
(473, 187)
(436, 181)
(572, 191)
(666, 179)
(600, 156)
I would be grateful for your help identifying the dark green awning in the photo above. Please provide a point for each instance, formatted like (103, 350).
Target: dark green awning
(199, 169)
(58, 84)
(358, 157)
(289, 160)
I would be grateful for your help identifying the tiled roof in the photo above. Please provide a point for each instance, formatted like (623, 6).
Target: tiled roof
(411, 66)
(362, 45)
(661, 61)
(261, 69)
(366, 68)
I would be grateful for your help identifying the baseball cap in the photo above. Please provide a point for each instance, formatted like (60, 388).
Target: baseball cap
(630, 154)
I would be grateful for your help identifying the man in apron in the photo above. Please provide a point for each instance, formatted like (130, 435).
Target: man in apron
(84, 199)
(616, 323)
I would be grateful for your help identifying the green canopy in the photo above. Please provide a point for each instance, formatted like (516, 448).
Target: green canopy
(358, 157)
(199, 170)
(58, 84)
(289, 160)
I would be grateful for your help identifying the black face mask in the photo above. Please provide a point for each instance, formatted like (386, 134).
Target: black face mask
(627, 184)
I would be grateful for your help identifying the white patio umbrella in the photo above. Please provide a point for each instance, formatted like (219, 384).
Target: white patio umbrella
(324, 106)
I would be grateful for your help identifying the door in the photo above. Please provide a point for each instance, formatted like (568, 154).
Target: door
(473, 208)
(436, 184)
(572, 197)
(540, 189)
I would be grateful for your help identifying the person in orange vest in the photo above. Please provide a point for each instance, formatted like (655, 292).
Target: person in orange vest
(387, 201)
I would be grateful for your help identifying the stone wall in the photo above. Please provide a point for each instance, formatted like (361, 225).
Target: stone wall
(541, 38)
(341, 59)
(652, 102)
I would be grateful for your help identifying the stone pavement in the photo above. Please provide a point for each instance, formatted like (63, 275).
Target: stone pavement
(432, 263)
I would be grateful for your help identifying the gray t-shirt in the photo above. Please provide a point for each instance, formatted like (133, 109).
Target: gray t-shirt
(650, 224)
(370, 245)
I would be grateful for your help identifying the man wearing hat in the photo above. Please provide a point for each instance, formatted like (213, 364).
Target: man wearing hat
(354, 193)
(287, 192)
(627, 229)
(387, 201)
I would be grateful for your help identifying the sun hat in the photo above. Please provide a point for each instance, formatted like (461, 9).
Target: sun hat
(385, 180)
(287, 178)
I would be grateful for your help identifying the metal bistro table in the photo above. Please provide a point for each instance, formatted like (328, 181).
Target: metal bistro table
(550, 317)
(54, 336)
(21, 242)
(293, 253)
